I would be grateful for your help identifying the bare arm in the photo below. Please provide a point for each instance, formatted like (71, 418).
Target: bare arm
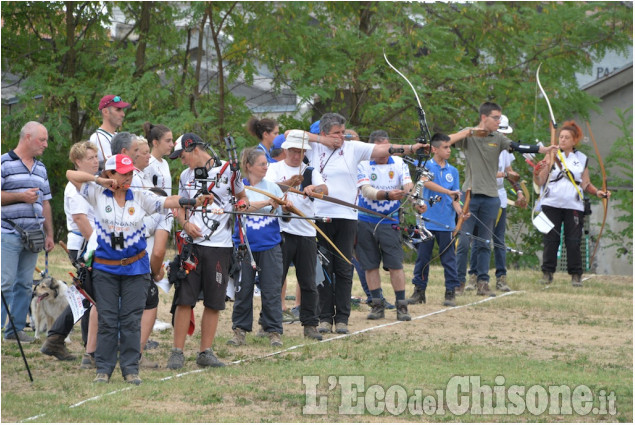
(83, 225)
(28, 196)
(158, 254)
(49, 244)
(78, 178)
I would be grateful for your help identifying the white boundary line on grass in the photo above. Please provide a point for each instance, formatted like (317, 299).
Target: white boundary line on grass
(292, 348)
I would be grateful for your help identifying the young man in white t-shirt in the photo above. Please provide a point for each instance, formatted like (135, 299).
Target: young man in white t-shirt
(112, 112)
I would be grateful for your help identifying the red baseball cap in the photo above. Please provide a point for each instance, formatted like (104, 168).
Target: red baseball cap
(120, 163)
(112, 100)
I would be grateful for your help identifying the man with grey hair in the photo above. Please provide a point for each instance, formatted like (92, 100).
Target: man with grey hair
(383, 183)
(25, 208)
(337, 163)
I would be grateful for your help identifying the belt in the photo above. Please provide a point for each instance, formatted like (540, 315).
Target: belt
(123, 261)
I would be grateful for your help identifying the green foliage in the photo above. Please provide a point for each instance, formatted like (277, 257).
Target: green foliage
(620, 175)
(329, 53)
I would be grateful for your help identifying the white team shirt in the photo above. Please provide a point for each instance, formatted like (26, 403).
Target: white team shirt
(281, 171)
(101, 138)
(188, 187)
(340, 175)
(74, 203)
(159, 170)
(505, 160)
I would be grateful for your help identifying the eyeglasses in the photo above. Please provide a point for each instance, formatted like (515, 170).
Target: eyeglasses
(496, 117)
(115, 99)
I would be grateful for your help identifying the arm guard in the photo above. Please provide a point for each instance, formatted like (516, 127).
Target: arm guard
(515, 146)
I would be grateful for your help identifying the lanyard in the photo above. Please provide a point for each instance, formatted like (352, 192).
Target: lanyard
(568, 173)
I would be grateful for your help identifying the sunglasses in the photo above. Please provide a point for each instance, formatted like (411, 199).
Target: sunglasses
(115, 99)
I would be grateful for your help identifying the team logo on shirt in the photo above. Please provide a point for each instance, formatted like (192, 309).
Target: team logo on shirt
(373, 176)
(131, 210)
(108, 208)
(391, 174)
(449, 178)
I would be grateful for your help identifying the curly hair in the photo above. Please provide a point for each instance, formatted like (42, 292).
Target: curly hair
(576, 131)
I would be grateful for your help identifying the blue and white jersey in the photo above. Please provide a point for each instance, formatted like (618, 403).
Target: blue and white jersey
(16, 177)
(113, 220)
(441, 212)
(263, 233)
(390, 176)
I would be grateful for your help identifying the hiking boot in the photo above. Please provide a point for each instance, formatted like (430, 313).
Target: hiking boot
(208, 359)
(576, 280)
(132, 378)
(261, 332)
(238, 339)
(341, 328)
(377, 311)
(482, 288)
(296, 312)
(547, 278)
(88, 361)
(460, 289)
(274, 339)
(501, 284)
(311, 332)
(325, 328)
(402, 311)
(177, 359)
(418, 296)
(146, 363)
(471, 283)
(24, 338)
(54, 346)
(287, 316)
(101, 378)
(449, 298)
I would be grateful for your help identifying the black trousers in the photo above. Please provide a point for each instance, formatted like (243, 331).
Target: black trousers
(302, 252)
(335, 294)
(573, 223)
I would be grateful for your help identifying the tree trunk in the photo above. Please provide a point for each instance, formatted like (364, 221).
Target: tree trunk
(144, 30)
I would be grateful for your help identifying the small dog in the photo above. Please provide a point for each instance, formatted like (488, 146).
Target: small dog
(49, 301)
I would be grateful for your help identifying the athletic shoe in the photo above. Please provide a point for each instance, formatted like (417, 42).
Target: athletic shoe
(177, 359)
(208, 359)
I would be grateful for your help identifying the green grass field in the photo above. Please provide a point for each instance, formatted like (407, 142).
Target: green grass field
(447, 365)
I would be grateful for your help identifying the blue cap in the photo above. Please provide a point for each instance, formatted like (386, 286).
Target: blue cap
(278, 141)
(315, 127)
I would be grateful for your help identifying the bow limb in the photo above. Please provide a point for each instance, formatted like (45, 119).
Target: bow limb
(605, 200)
(296, 211)
(466, 208)
(423, 125)
(553, 125)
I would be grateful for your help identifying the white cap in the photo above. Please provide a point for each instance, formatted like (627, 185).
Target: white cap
(503, 126)
(296, 139)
